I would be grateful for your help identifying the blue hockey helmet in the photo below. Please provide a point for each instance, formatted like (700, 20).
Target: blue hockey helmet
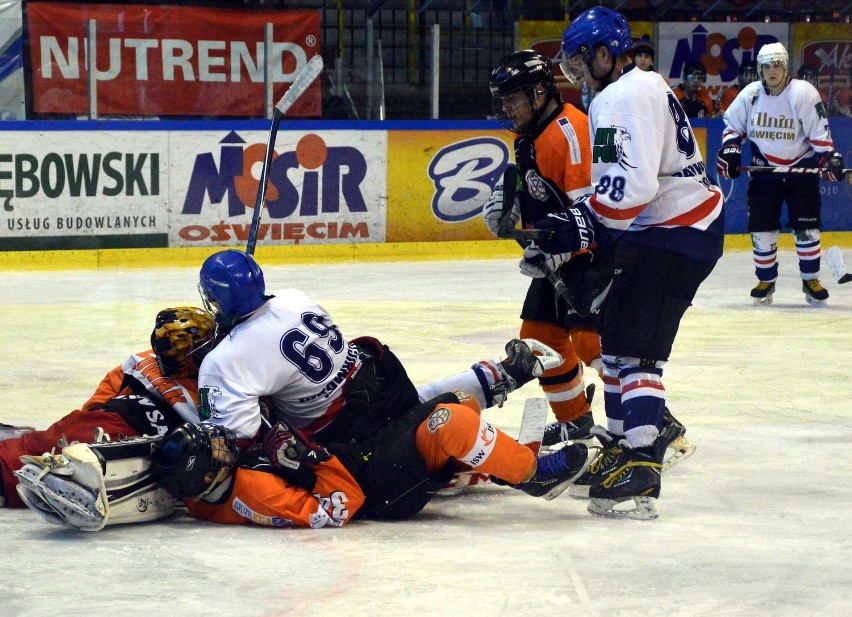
(231, 286)
(595, 26)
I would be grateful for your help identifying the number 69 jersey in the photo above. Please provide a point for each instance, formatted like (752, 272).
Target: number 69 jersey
(649, 179)
(289, 351)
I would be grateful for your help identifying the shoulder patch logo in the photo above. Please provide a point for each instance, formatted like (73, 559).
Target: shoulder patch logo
(610, 146)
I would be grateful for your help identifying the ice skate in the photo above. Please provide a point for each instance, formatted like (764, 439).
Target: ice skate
(525, 360)
(632, 488)
(762, 294)
(673, 438)
(557, 471)
(815, 293)
(576, 430)
(607, 459)
(7, 431)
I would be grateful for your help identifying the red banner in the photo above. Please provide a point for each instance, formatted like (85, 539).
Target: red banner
(168, 60)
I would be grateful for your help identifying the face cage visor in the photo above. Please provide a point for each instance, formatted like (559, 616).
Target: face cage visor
(572, 67)
(501, 105)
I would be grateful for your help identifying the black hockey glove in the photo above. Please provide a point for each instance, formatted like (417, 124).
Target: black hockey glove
(728, 161)
(293, 455)
(568, 232)
(831, 164)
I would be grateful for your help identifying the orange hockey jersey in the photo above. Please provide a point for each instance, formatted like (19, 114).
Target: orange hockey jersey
(258, 496)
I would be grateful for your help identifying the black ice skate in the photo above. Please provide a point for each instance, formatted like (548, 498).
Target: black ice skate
(608, 459)
(762, 294)
(674, 442)
(577, 430)
(815, 293)
(632, 488)
(557, 471)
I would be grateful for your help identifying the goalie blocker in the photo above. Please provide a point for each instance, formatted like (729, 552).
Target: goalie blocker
(89, 486)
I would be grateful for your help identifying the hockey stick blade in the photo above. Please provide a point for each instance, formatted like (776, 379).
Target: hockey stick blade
(304, 79)
(836, 266)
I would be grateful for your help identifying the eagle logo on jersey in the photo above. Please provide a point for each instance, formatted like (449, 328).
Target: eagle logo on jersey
(207, 402)
(610, 146)
(535, 185)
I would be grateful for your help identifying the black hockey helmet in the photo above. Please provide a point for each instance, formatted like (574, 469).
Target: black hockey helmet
(695, 70)
(747, 74)
(810, 74)
(522, 71)
(193, 459)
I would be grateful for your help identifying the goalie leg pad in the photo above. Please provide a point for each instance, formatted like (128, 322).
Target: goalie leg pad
(71, 503)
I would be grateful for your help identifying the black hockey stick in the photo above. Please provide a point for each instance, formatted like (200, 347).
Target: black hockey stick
(304, 79)
(788, 170)
(506, 231)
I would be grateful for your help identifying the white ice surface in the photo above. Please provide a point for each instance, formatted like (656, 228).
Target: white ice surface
(757, 522)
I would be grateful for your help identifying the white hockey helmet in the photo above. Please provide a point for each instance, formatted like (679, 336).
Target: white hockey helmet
(770, 54)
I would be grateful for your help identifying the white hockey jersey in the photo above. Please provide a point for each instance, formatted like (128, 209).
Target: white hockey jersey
(786, 129)
(290, 351)
(649, 179)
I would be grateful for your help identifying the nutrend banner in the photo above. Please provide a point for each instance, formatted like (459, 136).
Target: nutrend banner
(168, 60)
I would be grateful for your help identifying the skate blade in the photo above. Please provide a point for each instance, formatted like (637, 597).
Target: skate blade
(634, 508)
(763, 301)
(814, 302)
(678, 450)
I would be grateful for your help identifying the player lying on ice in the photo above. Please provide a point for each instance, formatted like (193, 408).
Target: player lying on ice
(373, 390)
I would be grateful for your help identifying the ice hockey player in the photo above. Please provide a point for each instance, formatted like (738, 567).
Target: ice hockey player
(691, 93)
(392, 475)
(786, 122)
(552, 154)
(746, 75)
(654, 205)
(150, 393)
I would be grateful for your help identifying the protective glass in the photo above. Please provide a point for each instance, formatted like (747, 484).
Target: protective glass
(697, 76)
(775, 64)
(514, 110)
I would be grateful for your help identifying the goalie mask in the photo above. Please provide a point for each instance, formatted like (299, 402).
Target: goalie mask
(194, 459)
(181, 338)
(516, 84)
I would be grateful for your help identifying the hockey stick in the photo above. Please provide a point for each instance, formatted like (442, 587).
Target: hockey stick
(788, 170)
(304, 79)
(834, 259)
(506, 231)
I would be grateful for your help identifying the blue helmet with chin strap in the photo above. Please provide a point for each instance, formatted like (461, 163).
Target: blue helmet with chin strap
(231, 286)
(595, 26)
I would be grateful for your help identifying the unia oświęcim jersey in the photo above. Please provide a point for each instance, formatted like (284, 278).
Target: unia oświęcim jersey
(552, 164)
(649, 180)
(290, 351)
(786, 129)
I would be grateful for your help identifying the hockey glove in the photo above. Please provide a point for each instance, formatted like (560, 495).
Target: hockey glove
(831, 164)
(568, 232)
(728, 160)
(492, 211)
(535, 262)
(293, 456)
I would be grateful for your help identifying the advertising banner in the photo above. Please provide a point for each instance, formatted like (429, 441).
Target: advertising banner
(720, 46)
(11, 63)
(439, 180)
(160, 60)
(327, 188)
(83, 190)
(826, 48)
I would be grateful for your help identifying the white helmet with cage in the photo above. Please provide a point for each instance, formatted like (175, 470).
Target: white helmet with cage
(772, 54)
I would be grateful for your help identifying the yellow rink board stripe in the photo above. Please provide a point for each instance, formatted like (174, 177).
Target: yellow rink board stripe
(315, 253)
